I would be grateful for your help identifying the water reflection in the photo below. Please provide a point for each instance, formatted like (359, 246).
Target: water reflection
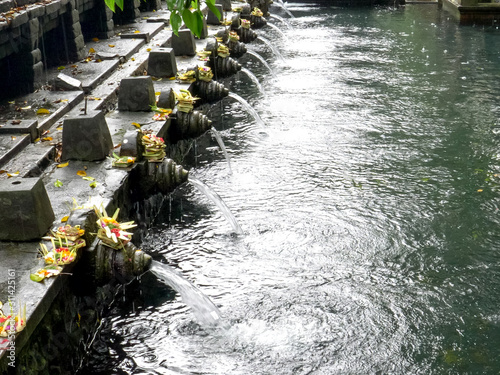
(370, 209)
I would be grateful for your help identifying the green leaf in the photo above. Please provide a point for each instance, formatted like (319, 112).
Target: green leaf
(120, 3)
(175, 21)
(110, 4)
(58, 183)
(93, 184)
(212, 7)
(36, 278)
(191, 22)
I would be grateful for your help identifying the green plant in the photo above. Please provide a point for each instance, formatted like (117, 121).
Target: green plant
(187, 11)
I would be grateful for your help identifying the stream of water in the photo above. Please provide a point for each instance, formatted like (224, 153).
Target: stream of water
(369, 203)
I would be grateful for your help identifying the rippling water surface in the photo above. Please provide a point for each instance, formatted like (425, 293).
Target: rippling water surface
(368, 201)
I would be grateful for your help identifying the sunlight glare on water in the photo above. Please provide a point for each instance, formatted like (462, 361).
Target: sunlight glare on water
(368, 202)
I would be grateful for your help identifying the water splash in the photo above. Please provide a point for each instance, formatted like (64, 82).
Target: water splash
(222, 146)
(285, 21)
(282, 5)
(248, 107)
(254, 79)
(278, 30)
(214, 197)
(203, 308)
(261, 59)
(272, 47)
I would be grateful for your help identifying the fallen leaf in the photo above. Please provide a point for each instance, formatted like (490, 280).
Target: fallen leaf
(95, 39)
(65, 219)
(111, 45)
(15, 174)
(157, 93)
(45, 139)
(136, 32)
(26, 108)
(171, 78)
(479, 190)
(3, 171)
(62, 165)
(138, 126)
(148, 49)
(93, 184)
(118, 145)
(88, 178)
(81, 173)
(58, 183)
(74, 66)
(132, 58)
(36, 140)
(61, 68)
(16, 122)
(13, 138)
(59, 128)
(42, 111)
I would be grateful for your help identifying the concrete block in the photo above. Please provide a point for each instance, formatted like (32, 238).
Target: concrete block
(86, 137)
(79, 42)
(75, 16)
(38, 75)
(136, 94)
(36, 54)
(19, 19)
(34, 26)
(21, 127)
(184, 44)
(131, 144)
(77, 29)
(211, 17)
(52, 8)
(67, 83)
(226, 4)
(204, 30)
(162, 63)
(166, 99)
(26, 210)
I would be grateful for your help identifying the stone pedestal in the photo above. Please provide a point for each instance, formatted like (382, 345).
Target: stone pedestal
(86, 137)
(212, 18)
(26, 210)
(136, 94)
(162, 63)
(184, 44)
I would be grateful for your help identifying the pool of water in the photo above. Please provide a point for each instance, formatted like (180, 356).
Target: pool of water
(369, 206)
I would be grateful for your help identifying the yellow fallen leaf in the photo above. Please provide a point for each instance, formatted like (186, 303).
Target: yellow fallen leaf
(479, 190)
(36, 140)
(95, 39)
(157, 93)
(42, 111)
(148, 49)
(138, 126)
(45, 139)
(13, 138)
(111, 45)
(132, 58)
(81, 173)
(136, 32)
(64, 219)
(59, 128)
(62, 165)
(61, 68)
(13, 102)
(26, 108)
(15, 174)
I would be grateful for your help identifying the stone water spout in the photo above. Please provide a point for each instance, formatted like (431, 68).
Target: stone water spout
(242, 27)
(121, 265)
(222, 66)
(205, 88)
(188, 125)
(231, 39)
